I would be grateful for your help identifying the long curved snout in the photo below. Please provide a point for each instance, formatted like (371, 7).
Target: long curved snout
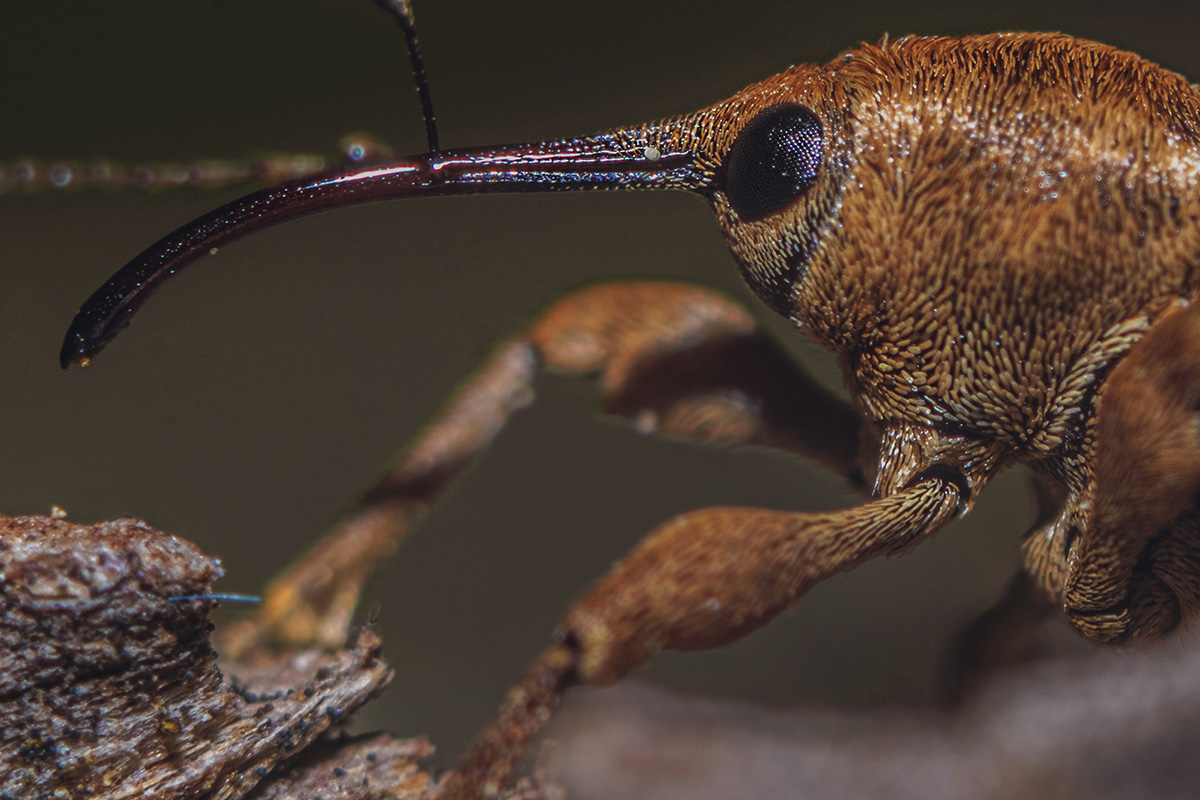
(645, 157)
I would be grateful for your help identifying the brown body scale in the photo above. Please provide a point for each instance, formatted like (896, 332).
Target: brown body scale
(1012, 212)
(988, 267)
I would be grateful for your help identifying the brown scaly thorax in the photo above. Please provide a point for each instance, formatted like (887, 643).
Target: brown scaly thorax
(1003, 247)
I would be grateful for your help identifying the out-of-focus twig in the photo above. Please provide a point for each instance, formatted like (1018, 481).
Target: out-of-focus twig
(1111, 726)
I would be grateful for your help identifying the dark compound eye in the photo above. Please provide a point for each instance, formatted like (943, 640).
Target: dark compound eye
(773, 162)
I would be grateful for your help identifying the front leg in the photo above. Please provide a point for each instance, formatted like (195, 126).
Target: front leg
(702, 580)
(1123, 557)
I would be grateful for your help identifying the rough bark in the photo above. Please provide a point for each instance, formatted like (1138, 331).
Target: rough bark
(110, 687)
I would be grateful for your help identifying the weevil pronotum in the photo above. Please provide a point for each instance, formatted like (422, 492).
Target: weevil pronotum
(984, 229)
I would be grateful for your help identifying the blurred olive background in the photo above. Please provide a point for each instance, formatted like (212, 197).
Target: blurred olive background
(259, 393)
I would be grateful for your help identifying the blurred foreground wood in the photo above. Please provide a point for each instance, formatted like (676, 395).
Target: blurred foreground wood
(1105, 726)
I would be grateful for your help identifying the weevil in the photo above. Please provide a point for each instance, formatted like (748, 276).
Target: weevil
(999, 237)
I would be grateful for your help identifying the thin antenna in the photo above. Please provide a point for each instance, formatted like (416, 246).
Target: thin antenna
(220, 596)
(403, 14)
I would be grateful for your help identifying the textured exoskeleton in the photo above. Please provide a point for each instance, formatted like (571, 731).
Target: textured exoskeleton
(1000, 237)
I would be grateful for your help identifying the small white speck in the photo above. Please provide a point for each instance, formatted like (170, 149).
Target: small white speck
(212, 251)
(651, 153)
(645, 422)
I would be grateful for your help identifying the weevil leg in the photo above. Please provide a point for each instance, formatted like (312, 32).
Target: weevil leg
(1128, 572)
(686, 361)
(1005, 635)
(311, 604)
(674, 358)
(998, 639)
(702, 580)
